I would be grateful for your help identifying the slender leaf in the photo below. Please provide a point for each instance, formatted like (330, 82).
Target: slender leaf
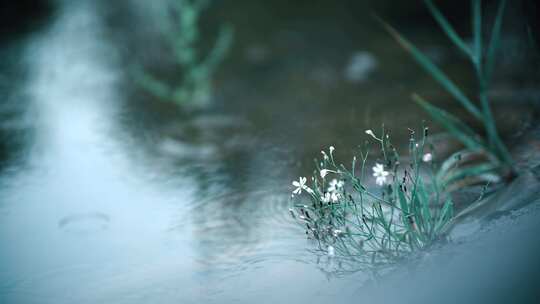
(434, 71)
(471, 171)
(504, 154)
(491, 128)
(496, 146)
(404, 207)
(447, 213)
(451, 123)
(494, 42)
(453, 161)
(477, 30)
(447, 28)
(423, 198)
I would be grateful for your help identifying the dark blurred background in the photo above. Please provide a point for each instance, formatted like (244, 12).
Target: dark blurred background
(17, 17)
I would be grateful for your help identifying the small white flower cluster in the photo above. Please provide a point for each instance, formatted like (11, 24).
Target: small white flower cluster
(330, 190)
(335, 186)
(332, 194)
(324, 172)
(428, 157)
(337, 232)
(301, 185)
(325, 156)
(370, 133)
(380, 174)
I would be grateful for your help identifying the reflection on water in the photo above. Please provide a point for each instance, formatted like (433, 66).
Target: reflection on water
(112, 200)
(78, 214)
(84, 212)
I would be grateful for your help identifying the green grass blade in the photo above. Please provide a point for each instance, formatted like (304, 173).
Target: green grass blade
(424, 218)
(502, 150)
(403, 201)
(447, 213)
(447, 28)
(434, 71)
(453, 162)
(496, 143)
(496, 146)
(494, 41)
(477, 30)
(404, 207)
(452, 124)
(406, 215)
(471, 171)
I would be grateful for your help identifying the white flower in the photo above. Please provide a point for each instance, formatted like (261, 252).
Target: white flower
(331, 197)
(324, 172)
(331, 251)
(380, 174)
(427, 157)
(370, 133)
(337, 232)
(300, 184)
(326, 198)
(325, 156)
(331, 149)
(335, 185)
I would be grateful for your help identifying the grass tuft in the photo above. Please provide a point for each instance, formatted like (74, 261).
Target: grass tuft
(373, 220)
(495, 154)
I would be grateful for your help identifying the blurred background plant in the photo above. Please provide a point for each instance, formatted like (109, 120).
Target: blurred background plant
(365, 227)
(180, 27)
(484, 158)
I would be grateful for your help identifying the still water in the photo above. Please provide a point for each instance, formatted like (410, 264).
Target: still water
(105, 200)
(89, 217)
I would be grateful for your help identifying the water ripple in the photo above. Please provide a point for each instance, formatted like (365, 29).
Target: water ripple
(237, 231)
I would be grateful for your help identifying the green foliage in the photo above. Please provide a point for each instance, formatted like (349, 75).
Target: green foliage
(495, 153)
(367, 225)
(182, 34)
